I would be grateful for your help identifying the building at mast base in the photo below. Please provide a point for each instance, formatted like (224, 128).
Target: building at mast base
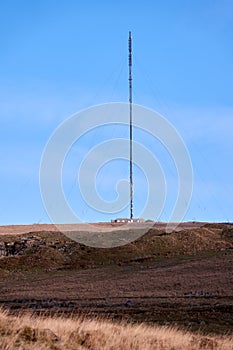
(125, 220)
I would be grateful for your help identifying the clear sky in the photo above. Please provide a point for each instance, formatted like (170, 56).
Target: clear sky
(58, 57)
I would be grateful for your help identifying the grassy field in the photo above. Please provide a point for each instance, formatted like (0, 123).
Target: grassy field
(160, 292)
(55, 333)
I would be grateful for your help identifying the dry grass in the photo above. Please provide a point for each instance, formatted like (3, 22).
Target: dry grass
(27, 332)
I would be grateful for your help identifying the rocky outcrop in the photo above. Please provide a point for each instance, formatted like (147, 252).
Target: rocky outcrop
(12, 248)
(23, 243)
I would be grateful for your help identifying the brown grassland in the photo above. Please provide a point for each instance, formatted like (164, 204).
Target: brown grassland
(27, 332)
(159, 292)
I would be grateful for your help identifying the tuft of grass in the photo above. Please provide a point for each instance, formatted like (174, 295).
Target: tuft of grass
(59, 333)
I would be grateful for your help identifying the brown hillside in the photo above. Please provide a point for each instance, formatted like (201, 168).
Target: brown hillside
(53, 250)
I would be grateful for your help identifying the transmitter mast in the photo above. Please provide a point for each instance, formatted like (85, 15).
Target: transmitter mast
(130, 126)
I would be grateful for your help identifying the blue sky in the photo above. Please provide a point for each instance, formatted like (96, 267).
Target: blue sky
(60, 57)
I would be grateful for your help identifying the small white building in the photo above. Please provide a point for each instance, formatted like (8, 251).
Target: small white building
(123, 220)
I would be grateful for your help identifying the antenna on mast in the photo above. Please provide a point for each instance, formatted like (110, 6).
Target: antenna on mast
(131, 126)
(131, 218)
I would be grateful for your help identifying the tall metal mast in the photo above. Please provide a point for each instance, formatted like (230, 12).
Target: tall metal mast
(131, 125)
